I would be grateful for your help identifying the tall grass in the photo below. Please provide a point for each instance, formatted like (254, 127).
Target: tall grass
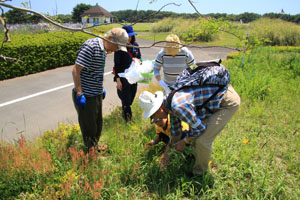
(275, 32)
(264, 31)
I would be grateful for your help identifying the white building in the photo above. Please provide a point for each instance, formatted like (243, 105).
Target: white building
(96, 15)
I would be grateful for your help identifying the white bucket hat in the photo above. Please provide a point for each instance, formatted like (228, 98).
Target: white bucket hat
(150, 103)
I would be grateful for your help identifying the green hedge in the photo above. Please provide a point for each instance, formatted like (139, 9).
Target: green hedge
(40, 52)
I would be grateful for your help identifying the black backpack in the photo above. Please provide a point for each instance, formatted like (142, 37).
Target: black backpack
(201, 74)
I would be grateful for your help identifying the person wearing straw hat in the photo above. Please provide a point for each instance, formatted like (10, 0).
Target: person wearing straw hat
(88, 92)
(204, 125)
(172, 59)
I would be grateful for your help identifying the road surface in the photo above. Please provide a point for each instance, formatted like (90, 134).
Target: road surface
(32, 104)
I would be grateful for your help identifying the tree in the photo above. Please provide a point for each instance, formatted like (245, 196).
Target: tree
(78, 10)
(64, 18)
(16, 16)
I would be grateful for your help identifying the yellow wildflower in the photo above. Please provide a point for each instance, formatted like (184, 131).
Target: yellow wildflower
(245, 141)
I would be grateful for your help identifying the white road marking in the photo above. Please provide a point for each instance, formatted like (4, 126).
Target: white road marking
(41, 93)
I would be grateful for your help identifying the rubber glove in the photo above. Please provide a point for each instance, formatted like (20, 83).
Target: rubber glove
(104, 94)
(80, 100)
(164, 86)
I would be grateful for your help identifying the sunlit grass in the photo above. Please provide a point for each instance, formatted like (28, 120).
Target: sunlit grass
(256, 156)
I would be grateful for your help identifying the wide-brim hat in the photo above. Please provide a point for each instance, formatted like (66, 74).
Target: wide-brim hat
(150, 103)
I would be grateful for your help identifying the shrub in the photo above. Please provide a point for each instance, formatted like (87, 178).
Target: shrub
(39, 52)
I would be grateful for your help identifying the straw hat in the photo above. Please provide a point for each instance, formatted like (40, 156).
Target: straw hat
(170, 39)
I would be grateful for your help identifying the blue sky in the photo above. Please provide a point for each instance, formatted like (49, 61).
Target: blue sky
(211, 6)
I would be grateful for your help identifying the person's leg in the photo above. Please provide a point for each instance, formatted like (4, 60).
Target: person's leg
(215, 123)
(99, 119)
(133, 89)
(87, 119)
(125, 96)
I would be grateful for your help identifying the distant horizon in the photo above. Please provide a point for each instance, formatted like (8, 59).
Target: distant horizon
(235, 7)
(200, 13)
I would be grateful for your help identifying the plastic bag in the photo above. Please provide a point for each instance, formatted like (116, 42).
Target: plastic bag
(134, 73)
(146, 66)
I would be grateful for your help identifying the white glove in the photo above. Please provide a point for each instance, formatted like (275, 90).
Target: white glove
(164, 86)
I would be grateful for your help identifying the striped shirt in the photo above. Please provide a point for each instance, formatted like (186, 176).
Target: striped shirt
(91, 56)
(183, 107)
(172, 65)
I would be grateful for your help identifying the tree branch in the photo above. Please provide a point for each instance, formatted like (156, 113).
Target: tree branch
(155, 44)
(225, 31)
(6, 37)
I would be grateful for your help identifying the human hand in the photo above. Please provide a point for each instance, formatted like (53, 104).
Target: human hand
(165, 159)
(104, 94)
(179, 146)
(137, 60)
(164, 86)
(149, 144)
(80, 100)
(119, 84)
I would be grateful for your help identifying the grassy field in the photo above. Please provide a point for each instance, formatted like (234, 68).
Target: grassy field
(257, 155)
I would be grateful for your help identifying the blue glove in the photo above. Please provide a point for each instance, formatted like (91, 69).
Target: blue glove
(80, 100)
(104, 94)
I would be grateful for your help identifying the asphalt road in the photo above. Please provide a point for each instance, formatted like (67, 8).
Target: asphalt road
(32, 104)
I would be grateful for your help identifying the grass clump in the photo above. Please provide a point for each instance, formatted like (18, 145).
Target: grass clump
(275, 32)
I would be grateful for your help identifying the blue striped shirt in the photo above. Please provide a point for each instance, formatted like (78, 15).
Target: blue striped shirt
(183, 108)
(91, 56)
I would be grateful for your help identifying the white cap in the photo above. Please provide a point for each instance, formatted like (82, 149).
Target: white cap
(150, 103)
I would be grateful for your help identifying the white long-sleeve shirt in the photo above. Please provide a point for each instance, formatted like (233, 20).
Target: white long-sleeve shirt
(172, 65)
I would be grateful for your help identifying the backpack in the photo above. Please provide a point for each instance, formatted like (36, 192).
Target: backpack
(201, 74)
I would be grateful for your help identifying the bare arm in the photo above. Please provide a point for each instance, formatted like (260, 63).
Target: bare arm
(76, 78)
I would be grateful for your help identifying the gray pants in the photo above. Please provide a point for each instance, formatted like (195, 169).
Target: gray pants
(90, 119)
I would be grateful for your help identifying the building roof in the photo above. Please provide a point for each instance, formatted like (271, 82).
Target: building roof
(96, 11)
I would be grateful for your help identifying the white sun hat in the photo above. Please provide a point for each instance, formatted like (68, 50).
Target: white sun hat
(150, 103)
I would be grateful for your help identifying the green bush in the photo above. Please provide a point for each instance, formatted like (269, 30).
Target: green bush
(39, 52)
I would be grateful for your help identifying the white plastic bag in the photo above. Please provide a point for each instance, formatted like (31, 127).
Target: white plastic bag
(146, 66)
(132, 74)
